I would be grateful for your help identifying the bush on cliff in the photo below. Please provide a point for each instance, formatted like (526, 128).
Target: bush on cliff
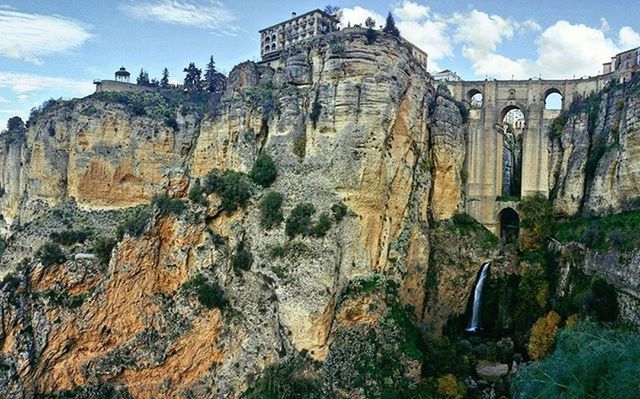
(134, 223)
(299, 221)
(242, 259)
(166, 205)
(70, 237)
(543, 335)
(210, 295)
(271, 209)
(233, 188)
(264, 172)
(102, 248)
(538, 221)
(50, 254)
(590, 361)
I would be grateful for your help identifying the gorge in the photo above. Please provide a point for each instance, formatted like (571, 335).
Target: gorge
(317, 232)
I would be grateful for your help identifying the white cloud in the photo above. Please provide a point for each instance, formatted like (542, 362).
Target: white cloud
(25, 84)
(32, 36)
(531, 24)
(564, 49)
(604, 25)
(480, 33)
(212, 14)
(357, 15)
(628, 38)
(3, 100)
(410, 11)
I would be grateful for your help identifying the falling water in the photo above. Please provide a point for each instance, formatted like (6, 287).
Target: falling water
(477, 298)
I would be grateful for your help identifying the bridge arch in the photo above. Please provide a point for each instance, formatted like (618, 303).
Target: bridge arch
(511, 125)
(475, 98)
(553, 99)
(508, 221)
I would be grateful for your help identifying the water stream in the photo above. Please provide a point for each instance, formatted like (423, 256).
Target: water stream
(474, 323)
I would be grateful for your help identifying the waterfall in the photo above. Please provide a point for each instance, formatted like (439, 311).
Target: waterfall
(477, 299)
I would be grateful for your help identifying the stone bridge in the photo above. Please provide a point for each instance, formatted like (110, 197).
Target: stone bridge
(486, 141)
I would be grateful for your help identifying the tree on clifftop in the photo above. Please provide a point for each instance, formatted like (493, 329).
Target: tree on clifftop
(192, 82)
(335, 13)
(164, 81)
(143, 78)
(390, 26)
(214, 81)
(15, 124)
(370, 23)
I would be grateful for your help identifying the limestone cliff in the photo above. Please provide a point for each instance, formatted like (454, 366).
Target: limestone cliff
(345, 120)
(594, 169)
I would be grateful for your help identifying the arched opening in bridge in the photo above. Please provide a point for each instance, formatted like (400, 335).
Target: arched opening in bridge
(512, 125)
(474, 97)
(509, 225)
(553, 100)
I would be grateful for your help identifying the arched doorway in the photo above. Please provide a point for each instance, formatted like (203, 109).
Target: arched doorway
(474, 97)
(553, 100)
(509, 225)
(512, 125)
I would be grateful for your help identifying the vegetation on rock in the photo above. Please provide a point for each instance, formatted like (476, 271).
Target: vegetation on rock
(264, 171)
(543, 335)
(209, 294)
(271, 209)
(590, 361)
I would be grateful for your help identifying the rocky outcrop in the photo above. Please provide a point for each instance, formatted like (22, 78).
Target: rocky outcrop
(592, 162)
(344, 120)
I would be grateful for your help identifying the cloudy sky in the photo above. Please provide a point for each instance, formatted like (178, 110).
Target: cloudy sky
(55, 48)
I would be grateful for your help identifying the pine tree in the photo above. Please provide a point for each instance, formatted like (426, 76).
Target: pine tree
(192, 82)
(390, 26)
(164, 81)
(214, 81)
(143, 78)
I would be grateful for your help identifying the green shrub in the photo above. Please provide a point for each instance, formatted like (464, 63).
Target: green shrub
(102, 248)
(166, 205)
(619, 231)
(299, 221)
(210, 295)
(286, 380)
(103, 390)
(69, 237)
(339, 210)
(538, 219)
(264, 172)
(271, 209)
(464, 219)
(135, 223)
(242, 259)
(590, 361)
(233, 188)
(321, 227)
(50, 254)
(10, 282)
(277, 251)
(197, 195)
(555, 130)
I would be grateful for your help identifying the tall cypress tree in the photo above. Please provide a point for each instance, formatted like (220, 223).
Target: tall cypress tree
(143, 78)
(164, 81)
(390, 26)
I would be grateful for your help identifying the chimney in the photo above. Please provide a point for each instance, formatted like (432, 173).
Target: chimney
(293, 14)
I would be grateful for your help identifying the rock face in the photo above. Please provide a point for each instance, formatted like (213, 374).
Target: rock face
(356, 123)
(99, 152)
(593, 161)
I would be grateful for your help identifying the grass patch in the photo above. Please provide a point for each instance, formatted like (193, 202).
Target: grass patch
(619, 231)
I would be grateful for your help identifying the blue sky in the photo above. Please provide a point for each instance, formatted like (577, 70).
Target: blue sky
(55, 48)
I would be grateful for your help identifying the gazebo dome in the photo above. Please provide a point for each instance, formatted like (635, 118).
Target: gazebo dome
(122, 75)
